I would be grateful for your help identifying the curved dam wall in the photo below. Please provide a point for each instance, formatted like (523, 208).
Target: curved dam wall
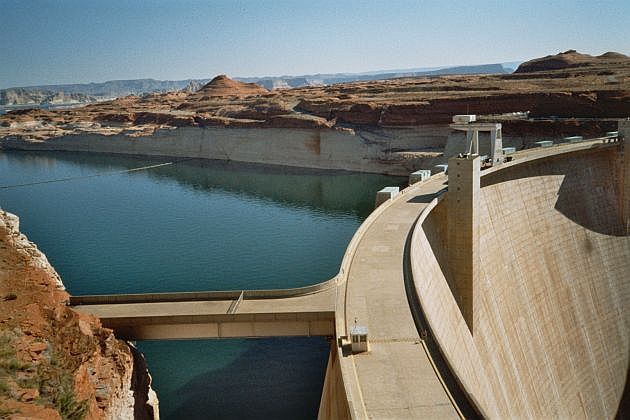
(551, 334)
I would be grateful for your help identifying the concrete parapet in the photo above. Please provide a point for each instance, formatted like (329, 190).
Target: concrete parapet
(201, 296)
(385, 194)
(419, 176)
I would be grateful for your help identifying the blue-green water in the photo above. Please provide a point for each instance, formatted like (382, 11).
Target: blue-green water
(197, 226)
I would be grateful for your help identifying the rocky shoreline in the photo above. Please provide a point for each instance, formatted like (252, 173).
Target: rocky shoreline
(55, 362)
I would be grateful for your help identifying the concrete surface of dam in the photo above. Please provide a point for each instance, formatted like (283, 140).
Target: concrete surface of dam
(550, 335)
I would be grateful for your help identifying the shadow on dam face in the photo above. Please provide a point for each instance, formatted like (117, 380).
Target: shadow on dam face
(589, 192)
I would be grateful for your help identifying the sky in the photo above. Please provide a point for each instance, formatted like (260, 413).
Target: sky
(79, 41)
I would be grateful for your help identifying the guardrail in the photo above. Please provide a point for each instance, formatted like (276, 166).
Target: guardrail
(199, 296)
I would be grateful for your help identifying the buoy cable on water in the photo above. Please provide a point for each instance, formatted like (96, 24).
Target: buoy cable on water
(50, 181)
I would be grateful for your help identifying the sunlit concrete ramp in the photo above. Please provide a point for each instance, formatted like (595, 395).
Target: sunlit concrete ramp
(398, 377)
(307, 311)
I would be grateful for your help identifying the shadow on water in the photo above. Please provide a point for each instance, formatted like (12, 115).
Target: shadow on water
(262, 379)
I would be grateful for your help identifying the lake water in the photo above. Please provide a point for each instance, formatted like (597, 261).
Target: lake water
(197, 225)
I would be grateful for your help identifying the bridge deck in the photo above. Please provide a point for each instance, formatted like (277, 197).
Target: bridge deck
(396, 378)
(311, 314)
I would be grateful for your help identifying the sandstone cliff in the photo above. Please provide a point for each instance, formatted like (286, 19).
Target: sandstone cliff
(585, 97)
(567, 85)
(54, 362)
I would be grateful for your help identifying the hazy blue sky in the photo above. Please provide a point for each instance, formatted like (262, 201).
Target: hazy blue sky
(59, 41)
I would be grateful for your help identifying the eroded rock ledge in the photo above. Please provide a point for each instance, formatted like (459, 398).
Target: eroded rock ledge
(54, 362)
(389, 126)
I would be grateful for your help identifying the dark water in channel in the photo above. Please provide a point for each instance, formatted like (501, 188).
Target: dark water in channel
(197, 226)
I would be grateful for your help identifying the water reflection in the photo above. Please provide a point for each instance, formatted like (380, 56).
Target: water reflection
(317, 189)
(197, 225)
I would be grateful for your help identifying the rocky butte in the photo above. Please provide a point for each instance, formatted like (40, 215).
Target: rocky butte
(55, 358)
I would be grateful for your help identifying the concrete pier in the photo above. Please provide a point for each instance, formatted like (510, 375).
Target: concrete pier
(385, 194)
(463, 230)
(419, 176)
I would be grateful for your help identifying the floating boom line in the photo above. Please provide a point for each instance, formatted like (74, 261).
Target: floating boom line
(73, 178)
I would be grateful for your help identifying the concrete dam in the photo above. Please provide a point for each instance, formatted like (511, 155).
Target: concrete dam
(532, 321)
(549, 335)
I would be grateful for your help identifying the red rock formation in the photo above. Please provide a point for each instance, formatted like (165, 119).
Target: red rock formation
(224, 86)
(55, 362)
(569, 59)
(359, 113)
(582, 86)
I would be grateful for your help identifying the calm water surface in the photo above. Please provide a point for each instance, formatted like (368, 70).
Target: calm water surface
(197, 226)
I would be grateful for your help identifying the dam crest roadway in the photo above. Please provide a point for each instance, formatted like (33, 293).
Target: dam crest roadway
(538, 327)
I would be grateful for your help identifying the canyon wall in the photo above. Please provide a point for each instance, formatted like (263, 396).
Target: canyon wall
(551, 336)
(57, 363)
(375, 149)
(362, 151)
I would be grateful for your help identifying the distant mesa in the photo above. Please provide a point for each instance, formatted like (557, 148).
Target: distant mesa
(613, 55)
(569, 59)
(224, 86)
